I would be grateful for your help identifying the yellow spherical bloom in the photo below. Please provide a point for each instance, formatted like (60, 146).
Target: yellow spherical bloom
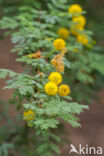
(63, 32)
(82, 39)
(63, 90)
(29, 115)
(75, 9)
(79, 21)
(55, 77)
(59, 44)
(76, 30)
(51, 88)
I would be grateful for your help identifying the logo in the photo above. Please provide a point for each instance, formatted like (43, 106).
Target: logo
(85, 150)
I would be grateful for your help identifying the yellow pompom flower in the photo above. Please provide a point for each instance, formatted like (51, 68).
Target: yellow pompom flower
(76, 30)
(75, 9)
(59, 44)
(63, 32)
(29, 115)
(51, 88)
(64, 90)
(79, 21)
(83, 39)
(55, 77)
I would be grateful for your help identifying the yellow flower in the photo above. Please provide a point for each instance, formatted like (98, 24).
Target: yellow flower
(59, 44)
(55, 77)
(51, 88)
(76, 30)
(75, 9)
(82, 39)
(63, 32)
(79, 21)
(63, 90)
(29, 115)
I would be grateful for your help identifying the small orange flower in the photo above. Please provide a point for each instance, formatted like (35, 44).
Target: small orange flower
(36, 55)
(58, 62)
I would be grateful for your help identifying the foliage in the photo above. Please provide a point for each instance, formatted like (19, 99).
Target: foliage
(33, 30)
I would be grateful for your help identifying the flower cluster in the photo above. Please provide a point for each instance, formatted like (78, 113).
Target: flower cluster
(79, 22)
(54, 85)
(58, 62)
(52, 88)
